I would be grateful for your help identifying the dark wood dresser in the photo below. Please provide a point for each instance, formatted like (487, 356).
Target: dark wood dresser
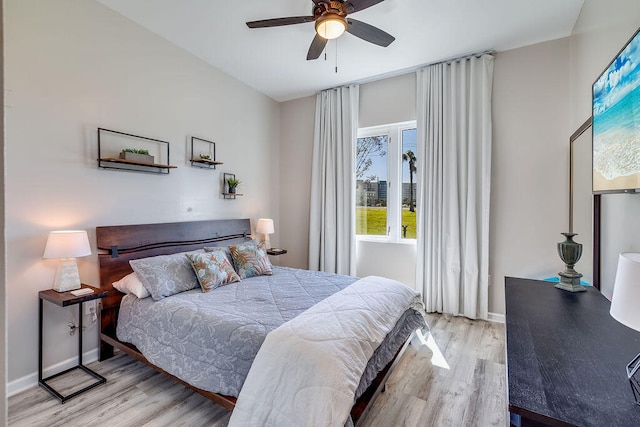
(566, 358)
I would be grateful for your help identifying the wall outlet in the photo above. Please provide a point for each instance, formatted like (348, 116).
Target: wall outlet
(90, 307)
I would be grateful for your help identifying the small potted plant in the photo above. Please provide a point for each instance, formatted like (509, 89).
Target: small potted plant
(233, 183)
(137, 155)
(205, 157)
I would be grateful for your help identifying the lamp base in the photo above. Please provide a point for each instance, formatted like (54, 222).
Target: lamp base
(634, 380)
(570, 281)
(67, 276)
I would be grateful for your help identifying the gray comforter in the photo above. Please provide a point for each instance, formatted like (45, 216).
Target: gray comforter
(210, 339)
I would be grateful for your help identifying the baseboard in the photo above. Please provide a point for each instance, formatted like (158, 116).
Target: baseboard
(31, 380)
(496, 317)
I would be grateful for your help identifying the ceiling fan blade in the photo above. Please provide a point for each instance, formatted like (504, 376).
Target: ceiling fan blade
(277, 22)
(316, 48)
(357, 5)
(369, 33)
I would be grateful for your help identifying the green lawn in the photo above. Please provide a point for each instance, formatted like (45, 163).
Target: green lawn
(370, 220)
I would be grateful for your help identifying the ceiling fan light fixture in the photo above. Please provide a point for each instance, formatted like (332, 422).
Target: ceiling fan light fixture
(331, 26)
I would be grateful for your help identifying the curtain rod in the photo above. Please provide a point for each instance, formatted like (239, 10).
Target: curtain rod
(459, 58)
(410, 69)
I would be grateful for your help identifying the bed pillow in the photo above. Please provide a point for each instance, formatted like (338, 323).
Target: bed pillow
(131, 285)
(225, 245)
(213, 269)
(250, 259)
(166, 275)
(225, 249)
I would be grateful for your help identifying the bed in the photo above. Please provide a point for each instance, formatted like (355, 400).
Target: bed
(263, 302)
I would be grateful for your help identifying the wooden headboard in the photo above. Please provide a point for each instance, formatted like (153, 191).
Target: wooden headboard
(123, 243)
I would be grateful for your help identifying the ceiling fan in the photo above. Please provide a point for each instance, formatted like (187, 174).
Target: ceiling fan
(331, 22)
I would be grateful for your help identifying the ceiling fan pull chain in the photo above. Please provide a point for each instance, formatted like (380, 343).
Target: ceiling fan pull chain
(336, 56)
(325, 52)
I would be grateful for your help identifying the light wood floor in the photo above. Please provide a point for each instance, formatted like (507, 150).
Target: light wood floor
(422, 391)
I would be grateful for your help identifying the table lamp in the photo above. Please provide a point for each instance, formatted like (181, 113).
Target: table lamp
(265, 226)
(624, 307)
(67, 245)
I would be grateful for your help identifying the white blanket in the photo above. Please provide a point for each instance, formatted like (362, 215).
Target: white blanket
(307, 370)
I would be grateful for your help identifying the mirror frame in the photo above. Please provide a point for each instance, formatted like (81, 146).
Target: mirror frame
(596, 205)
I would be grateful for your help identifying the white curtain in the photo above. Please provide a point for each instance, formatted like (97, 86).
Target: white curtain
(332, 216)
(454, 178)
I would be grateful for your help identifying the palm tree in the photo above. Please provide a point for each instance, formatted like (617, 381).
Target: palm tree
(411, 158)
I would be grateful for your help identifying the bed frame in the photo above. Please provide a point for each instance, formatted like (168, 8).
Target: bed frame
(120, 244)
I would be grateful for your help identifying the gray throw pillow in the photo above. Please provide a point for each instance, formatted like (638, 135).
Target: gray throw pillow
(166, 275)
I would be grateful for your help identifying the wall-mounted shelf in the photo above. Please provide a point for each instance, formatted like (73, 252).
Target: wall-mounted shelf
(225, 187)
(203, 147)
(209, 164)
(231, 195)
(131, 162)
(111, 143)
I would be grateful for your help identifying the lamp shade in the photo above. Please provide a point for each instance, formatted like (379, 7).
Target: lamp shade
(67, 244)
(265, 226)
(626, 291)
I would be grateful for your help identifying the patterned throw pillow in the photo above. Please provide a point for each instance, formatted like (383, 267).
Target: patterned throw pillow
(225, 245)
(213, 269)
(165, 275)
(250, 259)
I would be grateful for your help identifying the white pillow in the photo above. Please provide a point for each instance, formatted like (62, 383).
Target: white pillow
(131, 284)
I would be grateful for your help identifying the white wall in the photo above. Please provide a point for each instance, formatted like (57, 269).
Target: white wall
(391, 100)
(602, 30)
(296, 142)
(74, 65)
(529, 183)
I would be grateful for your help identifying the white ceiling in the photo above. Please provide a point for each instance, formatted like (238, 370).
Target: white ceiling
(273, 60)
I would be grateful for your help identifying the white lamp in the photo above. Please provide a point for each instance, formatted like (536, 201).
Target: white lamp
(67, 245)
(265, 226)
(624, 307)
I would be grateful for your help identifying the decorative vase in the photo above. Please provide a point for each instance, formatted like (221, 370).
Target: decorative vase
(232, 190)
(570, 252)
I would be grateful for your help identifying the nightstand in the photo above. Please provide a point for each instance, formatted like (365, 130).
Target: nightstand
(64, 299)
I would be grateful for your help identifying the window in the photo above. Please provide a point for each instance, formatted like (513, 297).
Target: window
(386, 182)
(371, 184)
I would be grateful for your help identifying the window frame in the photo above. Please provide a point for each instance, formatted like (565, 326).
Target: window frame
(394, 180)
